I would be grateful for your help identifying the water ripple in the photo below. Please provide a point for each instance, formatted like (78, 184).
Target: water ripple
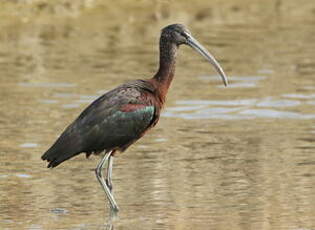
(237, 81)
(241, 109)
(268, 113)
(29, 145)
(268, 102)
(219, 102)
(300, 96)
(47, 84)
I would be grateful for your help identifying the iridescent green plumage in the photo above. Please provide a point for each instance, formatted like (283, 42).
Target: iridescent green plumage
(112, 122)
(120, 117)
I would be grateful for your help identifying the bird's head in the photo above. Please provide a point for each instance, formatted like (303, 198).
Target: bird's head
(179, 35)
(176, 33)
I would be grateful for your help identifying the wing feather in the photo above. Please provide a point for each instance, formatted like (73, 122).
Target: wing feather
(113, 121)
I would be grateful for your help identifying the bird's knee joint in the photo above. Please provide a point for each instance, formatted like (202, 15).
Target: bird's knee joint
(98, 172)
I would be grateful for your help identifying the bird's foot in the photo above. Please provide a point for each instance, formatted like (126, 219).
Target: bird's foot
(114, 210)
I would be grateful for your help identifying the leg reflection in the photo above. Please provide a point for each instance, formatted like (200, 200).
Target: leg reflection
(109, 221)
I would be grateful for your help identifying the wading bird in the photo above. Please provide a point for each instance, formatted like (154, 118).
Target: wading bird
(121, 116)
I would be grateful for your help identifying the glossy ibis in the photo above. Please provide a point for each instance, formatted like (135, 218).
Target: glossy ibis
(123, 115)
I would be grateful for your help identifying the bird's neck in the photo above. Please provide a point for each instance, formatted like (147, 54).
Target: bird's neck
(165, 74)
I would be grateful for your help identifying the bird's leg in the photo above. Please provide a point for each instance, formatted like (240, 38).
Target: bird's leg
(109, 173)
(100, 178)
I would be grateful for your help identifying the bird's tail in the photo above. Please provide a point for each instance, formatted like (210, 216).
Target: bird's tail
(58, 153)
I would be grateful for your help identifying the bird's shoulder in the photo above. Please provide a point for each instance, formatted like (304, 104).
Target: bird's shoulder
(125, 98)
(140, 85)
(129, 108)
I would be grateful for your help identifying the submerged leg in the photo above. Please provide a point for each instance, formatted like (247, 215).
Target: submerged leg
(100, 178)
(109, 173)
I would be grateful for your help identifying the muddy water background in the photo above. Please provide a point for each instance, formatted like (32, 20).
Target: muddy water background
(240, 157)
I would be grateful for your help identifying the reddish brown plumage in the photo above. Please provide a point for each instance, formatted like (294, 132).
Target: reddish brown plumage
(123, 115)
(131, 107)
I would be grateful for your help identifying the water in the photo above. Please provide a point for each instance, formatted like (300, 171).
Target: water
(240, 157)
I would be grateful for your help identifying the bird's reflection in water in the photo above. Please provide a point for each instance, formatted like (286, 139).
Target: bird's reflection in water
(109, 220)
(109, 226)
(121, 116)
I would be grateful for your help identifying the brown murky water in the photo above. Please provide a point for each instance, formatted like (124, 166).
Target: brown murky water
(241, 157)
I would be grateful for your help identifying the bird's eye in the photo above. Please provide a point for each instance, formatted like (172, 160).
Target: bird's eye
(183, 34)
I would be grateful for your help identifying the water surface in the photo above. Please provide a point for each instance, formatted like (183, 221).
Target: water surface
(240, 157)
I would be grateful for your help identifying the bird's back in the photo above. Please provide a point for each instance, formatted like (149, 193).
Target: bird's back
(112, 122)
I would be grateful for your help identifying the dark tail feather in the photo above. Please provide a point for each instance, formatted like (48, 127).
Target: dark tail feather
(66, 146)
(56, 156)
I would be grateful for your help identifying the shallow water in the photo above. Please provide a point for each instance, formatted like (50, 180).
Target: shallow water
(240, 157)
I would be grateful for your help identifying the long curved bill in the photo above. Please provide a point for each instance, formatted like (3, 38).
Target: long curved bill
(200, 49)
